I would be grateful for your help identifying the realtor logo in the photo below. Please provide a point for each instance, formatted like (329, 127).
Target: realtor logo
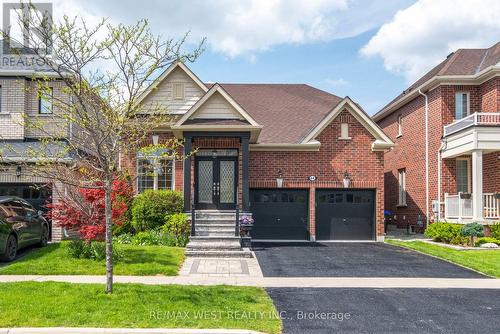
(25, 27)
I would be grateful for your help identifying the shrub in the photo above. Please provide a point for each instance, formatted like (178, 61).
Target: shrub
(495, 230)
(472, 230)
(485, 240)
(444, 232)
(94, 250)
(177, 225)
(82, 209)
(153, 207)
(124, 238)
(158, 238)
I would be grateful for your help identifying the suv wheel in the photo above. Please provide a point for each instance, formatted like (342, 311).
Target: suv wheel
(44, 239)
(11, 249)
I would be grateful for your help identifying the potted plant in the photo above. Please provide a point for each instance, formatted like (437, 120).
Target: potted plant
(246, 225)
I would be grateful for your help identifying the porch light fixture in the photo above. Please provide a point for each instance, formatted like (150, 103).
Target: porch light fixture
(155, 139)
(214, 154)
(347, 179)
(279, 179)
(18, 171)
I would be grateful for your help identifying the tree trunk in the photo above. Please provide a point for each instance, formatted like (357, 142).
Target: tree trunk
(109, 235)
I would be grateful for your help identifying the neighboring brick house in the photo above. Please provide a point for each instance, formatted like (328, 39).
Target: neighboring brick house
(19, 101)
(307, 164)
(462, 96)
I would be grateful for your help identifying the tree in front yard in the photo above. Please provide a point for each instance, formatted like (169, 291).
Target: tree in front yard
(100, 71)
(83, 209)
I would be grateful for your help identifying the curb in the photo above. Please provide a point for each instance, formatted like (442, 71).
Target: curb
(72, 330)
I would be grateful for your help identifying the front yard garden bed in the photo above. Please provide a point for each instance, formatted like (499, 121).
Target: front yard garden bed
(51, 304)
(135, 260)
(485, 261)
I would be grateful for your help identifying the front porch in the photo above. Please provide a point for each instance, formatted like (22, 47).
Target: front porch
(471, 155)
(460, 207)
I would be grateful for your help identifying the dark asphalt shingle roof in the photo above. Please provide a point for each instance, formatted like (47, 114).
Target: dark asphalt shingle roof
(287, 112)
(461, 62)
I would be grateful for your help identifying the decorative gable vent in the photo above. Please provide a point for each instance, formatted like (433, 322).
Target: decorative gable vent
(178, 90)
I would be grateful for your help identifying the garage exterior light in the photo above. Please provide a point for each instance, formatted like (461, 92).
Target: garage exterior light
(279, 179)
(347, 179)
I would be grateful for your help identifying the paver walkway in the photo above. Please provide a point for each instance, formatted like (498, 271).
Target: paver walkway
(221, 267)
(276, 282)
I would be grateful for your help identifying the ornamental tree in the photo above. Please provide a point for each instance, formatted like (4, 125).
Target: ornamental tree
(100, 71)
(83, 210)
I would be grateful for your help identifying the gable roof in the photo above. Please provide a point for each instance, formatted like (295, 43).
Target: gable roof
(458, 65)
(382, 141)
(287, 112)
(170, 69)
(216, 88)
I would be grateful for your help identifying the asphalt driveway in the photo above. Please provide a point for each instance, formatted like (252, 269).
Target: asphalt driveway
(314, 311)
(344, 259)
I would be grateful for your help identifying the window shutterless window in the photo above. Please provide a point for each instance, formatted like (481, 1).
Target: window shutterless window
(463, 175)
(462, 105)
(402, 187)
(400, 125)
(45, 101)
(154, 175)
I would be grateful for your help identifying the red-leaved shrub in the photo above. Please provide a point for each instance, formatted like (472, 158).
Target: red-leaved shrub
(83, 210)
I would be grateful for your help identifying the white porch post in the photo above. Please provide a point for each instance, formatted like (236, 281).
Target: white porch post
(477, 184)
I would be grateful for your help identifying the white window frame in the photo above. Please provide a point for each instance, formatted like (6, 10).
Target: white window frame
(400, 125)
(49, 100)
(178, 87)
(468, 104)
(344, 131)
(155, 175)
(402, 187)
(469, 173)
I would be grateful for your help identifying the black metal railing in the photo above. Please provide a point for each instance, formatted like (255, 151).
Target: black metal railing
(193, 219)
(237, 225)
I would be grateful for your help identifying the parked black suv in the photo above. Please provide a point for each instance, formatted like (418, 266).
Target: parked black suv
(20, 226)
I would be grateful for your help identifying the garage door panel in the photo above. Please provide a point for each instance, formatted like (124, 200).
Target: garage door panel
(344, 214)
(279, 214)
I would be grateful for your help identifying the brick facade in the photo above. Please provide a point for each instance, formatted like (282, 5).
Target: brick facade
(409, 152)
(335, 156)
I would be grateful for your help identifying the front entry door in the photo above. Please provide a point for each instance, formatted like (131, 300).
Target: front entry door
(215, 182)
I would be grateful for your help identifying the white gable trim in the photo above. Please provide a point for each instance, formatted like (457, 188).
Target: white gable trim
(382, 141)
(217, 89)
(165, 74)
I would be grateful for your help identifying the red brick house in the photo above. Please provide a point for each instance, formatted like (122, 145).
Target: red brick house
(305, 163)
(446, 127)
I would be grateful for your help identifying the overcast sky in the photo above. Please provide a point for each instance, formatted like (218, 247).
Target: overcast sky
(369, 50)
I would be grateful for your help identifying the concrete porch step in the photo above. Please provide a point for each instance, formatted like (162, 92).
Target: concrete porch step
(244, 253)
(213, 214)
(215, 221)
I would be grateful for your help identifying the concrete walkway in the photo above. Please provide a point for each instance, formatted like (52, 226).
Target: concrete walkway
(276, 282)
(66, 330)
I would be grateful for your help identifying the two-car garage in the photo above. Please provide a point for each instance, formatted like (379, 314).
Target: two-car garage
(341, 214)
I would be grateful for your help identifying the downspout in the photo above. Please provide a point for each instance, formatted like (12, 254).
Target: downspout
(441, 148)
(426, 158)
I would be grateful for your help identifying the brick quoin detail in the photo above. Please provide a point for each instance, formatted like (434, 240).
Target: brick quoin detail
(409, 151)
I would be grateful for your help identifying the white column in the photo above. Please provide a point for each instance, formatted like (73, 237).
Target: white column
(477, 184)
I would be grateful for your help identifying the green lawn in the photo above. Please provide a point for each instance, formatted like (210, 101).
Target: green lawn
(137, 260)
(485, 261)
(51, 304)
